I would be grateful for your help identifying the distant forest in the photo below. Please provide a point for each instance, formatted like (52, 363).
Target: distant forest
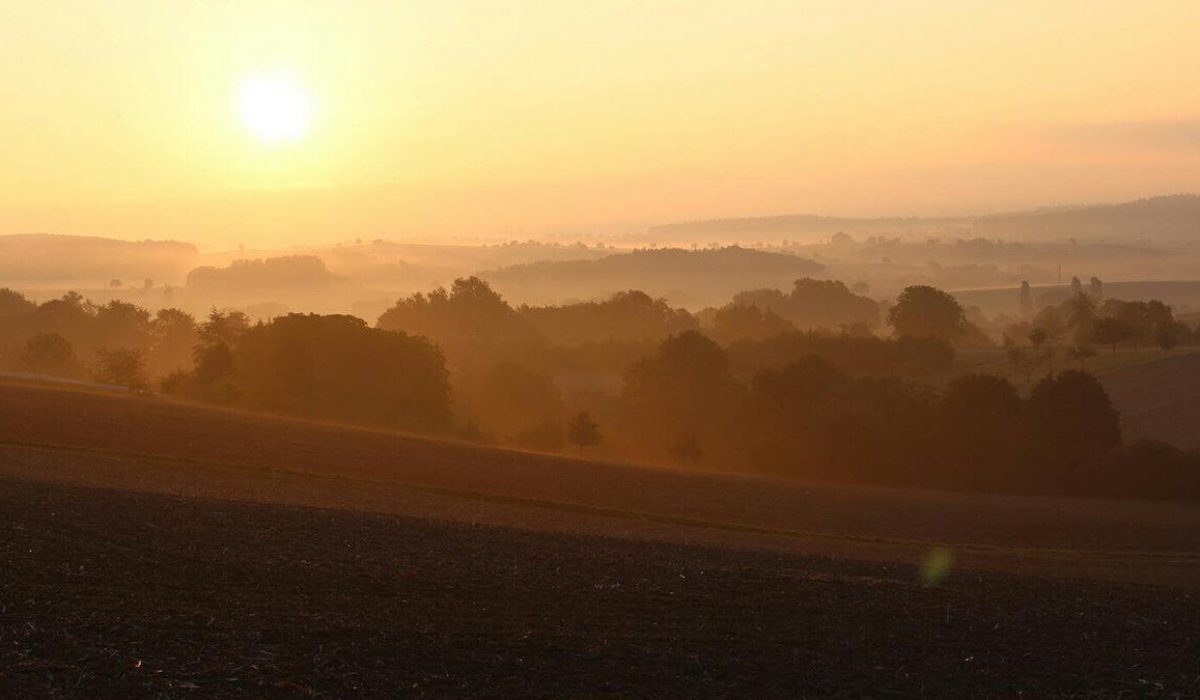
(815, 382)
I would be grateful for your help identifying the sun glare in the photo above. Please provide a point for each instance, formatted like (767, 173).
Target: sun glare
(275, 108)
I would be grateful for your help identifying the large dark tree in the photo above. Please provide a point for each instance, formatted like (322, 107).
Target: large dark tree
(49, 353)
(685, 387)
(470, 322)
(1073, 425)
(922, 311)
(336, 367)
(14, 303)
(980, 433)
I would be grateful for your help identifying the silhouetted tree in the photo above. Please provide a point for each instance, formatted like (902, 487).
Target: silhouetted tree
(1076, 287)
(1050, 321)
(223, 327)
(1081, 313)
(470, 322)
(173, 335)
(980, 431)
(1026, 361)
(336, 367)
(1168, 334)
(742, 322)
(49, 353)
(927, 312)
(1110, 331)
(124, 325)
(686, 386)
(1026, 300)
(583, 431)
(1073, 424)
(14, 303)
(121, 366)
(814, 304)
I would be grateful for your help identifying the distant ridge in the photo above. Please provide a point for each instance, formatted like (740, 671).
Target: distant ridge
(1167, 216)
(687, 277)
(47, 259)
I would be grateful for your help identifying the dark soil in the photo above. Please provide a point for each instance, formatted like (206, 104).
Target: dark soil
(111, 593)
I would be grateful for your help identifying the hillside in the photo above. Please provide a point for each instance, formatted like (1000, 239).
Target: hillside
(171, 549)
(692, 278)
(45, 260)
(795, 225)
(1159, 400)
(135, 442)
(1166, 218)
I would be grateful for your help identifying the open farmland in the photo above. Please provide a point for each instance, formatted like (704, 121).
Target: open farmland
(157, 548)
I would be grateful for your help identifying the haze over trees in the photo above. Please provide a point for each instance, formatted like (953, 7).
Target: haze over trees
(737, 388)
(244, 277)
(693, 278)
(815, 304)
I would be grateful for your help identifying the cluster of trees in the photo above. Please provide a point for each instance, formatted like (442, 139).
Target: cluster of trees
(1076, 328)
(327, 367)
(812, 304)
(245, 276)
(1085, 317)
(331, 367)
(739, 388)
(515, 370)
(812, 419)
(116, 343)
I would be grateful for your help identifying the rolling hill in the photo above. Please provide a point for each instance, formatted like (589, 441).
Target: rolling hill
(1165, 218)
(165, 548)
(692, 278)
(46, 260)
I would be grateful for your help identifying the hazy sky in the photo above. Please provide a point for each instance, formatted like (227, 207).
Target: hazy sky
(490, 118)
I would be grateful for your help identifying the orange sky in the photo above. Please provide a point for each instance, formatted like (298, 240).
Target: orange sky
(480, 118)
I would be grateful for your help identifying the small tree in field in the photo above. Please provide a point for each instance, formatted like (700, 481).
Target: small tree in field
(583, 431)
(1110, 331)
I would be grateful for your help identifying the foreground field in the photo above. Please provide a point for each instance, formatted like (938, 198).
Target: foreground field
(115, 594)
(159, 548)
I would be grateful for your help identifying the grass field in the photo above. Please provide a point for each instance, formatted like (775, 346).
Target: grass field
(160, 548)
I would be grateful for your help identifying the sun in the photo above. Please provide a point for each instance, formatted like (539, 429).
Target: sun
(275, 108)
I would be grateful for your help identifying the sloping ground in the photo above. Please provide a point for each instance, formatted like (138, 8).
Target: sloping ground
(118, 594)
(153, 548)
(1159, 400)
(147, 444)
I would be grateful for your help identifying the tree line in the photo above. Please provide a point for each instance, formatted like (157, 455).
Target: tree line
(743, 387)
